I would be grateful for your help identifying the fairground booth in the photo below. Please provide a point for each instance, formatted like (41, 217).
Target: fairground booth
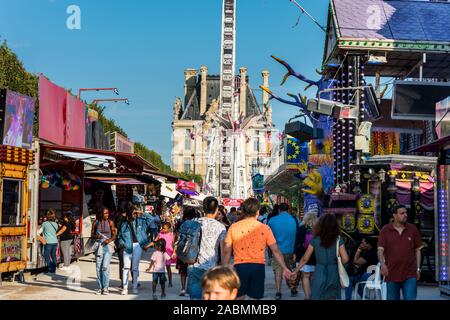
(16, 133)
(441, 147)
(79, 169)
(404, 57)
(376, 104)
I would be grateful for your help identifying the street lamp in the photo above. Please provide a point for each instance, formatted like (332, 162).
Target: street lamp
(115, 90)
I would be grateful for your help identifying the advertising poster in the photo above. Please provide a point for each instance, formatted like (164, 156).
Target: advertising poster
(18, 120)
(11, 249)
(321, 152)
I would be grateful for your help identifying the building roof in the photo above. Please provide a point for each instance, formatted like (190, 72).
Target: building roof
(398, 20)
(191, 110)
(400, 30)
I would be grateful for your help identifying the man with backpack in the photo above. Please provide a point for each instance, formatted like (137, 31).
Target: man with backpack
(285, 228)
(198, 245)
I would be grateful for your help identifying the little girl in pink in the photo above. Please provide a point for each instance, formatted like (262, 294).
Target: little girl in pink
(168, 236)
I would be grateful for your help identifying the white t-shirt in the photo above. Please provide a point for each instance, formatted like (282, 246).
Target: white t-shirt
(213, 232)
(159, 259)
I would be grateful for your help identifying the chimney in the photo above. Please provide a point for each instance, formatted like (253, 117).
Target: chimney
(204, 91)
(243, 90)
(190, 81)
(265, 97)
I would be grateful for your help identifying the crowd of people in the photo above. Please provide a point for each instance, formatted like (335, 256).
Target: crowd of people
(223, 255)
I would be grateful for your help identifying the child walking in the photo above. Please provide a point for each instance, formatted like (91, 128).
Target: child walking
(167, 235)
(157, 264)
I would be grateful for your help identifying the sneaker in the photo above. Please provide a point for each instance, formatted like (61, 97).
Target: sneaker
(105, 292)
(155, 297)
(99, 292)
(182, 293)
(278, 296)
(163, 296)
(294, 293)
(134, 290)
(124, 292)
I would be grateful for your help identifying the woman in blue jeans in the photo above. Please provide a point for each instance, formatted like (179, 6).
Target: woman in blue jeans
(49, 239)
(105, 233)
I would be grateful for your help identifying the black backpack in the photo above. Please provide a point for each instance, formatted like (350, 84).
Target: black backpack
(189, 239)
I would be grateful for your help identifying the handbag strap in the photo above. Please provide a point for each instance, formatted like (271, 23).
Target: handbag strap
(337, 247)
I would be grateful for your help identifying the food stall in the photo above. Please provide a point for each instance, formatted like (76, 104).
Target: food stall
(16, 127)
(14, 193)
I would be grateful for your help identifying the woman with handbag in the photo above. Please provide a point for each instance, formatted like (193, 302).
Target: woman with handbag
(105, 234)
(330, 253)
(66, 239)
(47, 236)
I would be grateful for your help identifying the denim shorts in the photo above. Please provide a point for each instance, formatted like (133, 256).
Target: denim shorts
(159, 277)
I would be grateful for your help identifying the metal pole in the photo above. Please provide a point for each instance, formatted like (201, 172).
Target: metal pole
(309, 15)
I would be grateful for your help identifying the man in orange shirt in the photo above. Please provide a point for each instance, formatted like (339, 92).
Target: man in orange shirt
(248, 239)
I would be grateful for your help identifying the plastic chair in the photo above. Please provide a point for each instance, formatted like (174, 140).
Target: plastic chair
(370, 270)
(375, 283)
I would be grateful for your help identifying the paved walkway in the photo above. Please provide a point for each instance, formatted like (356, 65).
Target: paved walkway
(65, 286)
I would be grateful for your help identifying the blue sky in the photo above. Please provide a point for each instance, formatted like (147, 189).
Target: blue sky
(143, 47)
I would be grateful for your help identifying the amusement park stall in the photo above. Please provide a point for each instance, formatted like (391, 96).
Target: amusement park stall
(385, 181)
(441, 147)
(82, 181)
(16, 127)
(14, 202)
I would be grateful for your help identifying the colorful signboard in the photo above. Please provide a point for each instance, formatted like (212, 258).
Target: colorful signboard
(321, 152)
(17, 117)
(11, 250)
(227, 202)
(187, 185)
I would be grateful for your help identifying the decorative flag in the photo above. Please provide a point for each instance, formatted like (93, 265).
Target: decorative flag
(296, 152)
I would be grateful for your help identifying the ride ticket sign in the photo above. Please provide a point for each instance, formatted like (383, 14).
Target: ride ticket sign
(11, 249)
(232, 202)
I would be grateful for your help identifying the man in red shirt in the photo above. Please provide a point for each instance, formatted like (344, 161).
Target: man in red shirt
(399, 247)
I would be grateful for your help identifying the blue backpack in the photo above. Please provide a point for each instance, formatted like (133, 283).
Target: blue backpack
(189, 239)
